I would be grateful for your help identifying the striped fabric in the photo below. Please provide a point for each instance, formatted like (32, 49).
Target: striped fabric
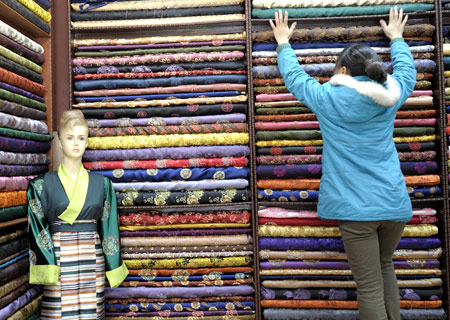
(82, 280)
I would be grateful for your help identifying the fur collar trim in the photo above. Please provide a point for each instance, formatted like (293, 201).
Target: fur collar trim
(384, 96)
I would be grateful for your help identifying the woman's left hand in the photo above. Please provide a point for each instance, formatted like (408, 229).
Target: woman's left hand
(281, 31)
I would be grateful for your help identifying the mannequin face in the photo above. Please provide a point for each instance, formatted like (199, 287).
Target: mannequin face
(74, 141)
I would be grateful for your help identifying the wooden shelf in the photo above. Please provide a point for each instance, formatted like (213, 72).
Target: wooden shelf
(11, 17)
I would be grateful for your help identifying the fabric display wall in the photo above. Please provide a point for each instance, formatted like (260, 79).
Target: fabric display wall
(303, 271)
(24, 143)
(168, 123)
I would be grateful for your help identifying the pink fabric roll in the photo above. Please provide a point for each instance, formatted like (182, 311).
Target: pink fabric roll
(417, 93)
(15, 183)
(287, 125)
(414, 122)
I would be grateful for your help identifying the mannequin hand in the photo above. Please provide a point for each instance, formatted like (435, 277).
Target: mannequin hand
(281, 31)
(396, 26)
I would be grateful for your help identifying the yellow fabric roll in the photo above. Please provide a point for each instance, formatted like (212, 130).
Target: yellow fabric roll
(188, 263)
(13, 284)
(185, 226)
(338, 272)
(415, 139)
(164, 22)
(172, 140)
(37, 9)
(151, 40)
(447, 91)
(161, 103)
(283, 143)
(422, 230)
(447, 73)
(159, 4)
(294, 284)
(28, 310)
(447, 53)
(419, 101)
(269, 4)
(19, 59)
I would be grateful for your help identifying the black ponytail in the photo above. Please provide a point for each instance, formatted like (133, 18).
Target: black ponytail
(361, 60)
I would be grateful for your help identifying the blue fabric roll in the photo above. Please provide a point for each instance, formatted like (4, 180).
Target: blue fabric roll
(183, 95)
(158, 82)
(335, 244)
(176, 174)
(315, 45)
(287, 195)
(187, 306)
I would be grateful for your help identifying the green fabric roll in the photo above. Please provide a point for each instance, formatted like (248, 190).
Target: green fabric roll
(413, 131)
(12, 213)
(157, 51)
(13, 97)
(340, 11)
(286, 110)
(289, 135)
(35, 316)
(25, 135)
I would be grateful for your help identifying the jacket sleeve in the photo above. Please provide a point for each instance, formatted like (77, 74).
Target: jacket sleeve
(43, 268)
(404, 69)
(304, 87)
(116, 270)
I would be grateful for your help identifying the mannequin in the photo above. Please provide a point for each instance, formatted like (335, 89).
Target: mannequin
(74, 234)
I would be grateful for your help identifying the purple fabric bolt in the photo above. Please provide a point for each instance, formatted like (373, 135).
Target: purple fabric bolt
(21, 301)
(317, 264)
(180, 292)
(20, 91)
(168, 313)
(159, 45)
(167, 153)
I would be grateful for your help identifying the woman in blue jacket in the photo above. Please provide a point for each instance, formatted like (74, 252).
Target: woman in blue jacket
(362, 185)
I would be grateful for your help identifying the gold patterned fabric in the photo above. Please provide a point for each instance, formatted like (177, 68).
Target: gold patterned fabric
(188, 263)
(285, 143)
(172, 140)
(423, 230)
(147, 23)
(13, 235)
(159, 4)
(224, 317)
(162, 103)
(15, 283)
(37, 9)
(181, 241)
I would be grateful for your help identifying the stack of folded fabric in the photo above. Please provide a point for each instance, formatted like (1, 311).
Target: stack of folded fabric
(168, 124)
(186, 263)
(170, 117)
(107, 14)
(289, 144)
(24, 142)
(304, 273)
(35, 11)
(446, 51)
(331, 8)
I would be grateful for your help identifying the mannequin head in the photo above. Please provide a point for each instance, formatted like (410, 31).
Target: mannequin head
(73, 134)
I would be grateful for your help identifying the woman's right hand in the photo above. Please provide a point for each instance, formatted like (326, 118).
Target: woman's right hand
(396, 24)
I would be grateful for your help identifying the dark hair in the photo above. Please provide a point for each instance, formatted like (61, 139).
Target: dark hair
(361, 60)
